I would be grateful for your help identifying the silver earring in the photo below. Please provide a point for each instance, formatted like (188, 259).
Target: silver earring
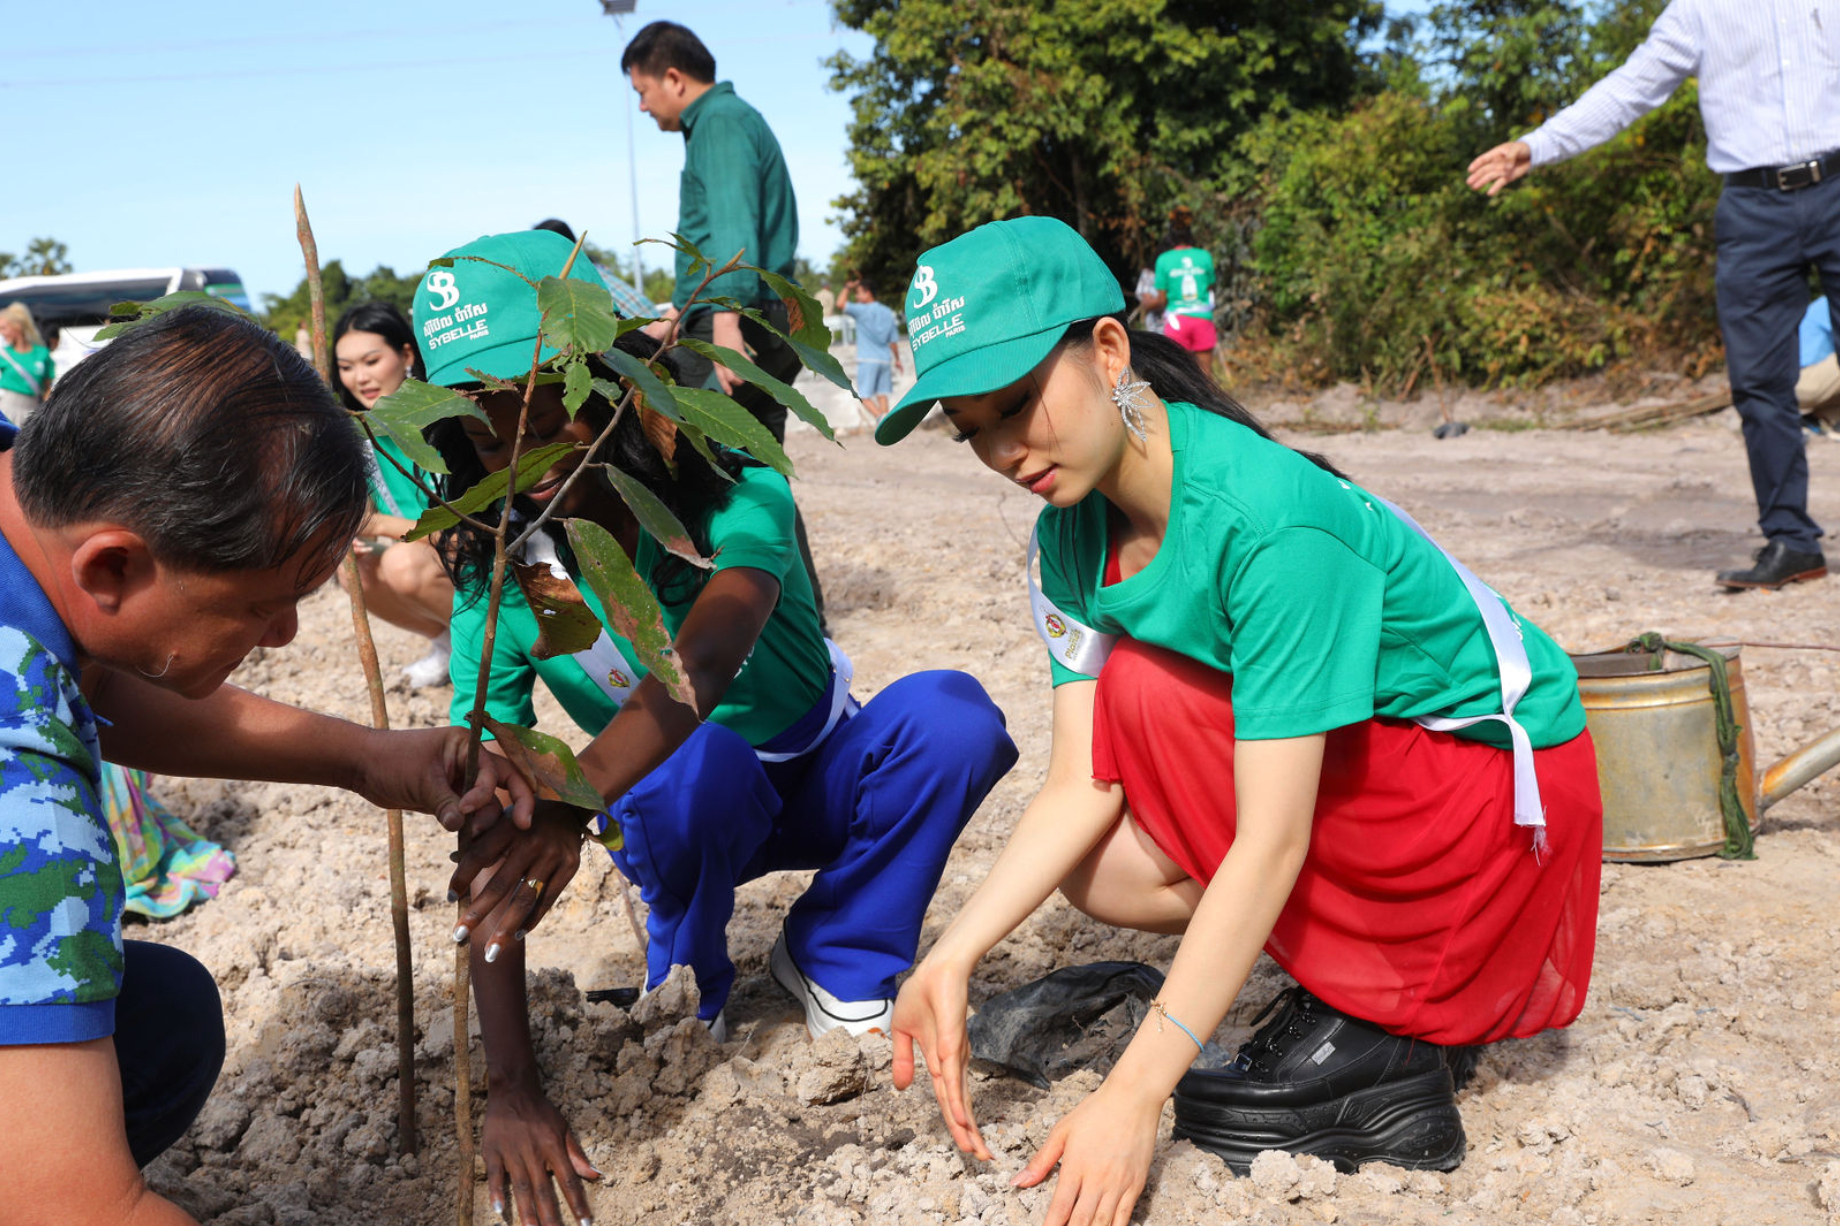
(1128, 395)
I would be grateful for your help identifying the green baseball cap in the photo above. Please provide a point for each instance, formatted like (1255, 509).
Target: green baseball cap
(479, 316)
(984, 309)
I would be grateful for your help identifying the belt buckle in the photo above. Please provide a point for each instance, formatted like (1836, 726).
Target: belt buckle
(1802, 174)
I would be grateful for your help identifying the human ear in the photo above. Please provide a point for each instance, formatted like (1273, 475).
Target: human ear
(1111, 347)
(110, 566)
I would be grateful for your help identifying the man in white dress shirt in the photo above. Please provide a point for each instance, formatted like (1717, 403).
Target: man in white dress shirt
(1769, 92)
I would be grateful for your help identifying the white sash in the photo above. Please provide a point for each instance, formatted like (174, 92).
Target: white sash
(6, 351)
(1075, 644)
(1084, 650)
(604, 662)
(841, 703)
(382, 487)
(1516, 675)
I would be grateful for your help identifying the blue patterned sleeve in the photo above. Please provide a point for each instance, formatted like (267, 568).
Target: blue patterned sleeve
(60, 884)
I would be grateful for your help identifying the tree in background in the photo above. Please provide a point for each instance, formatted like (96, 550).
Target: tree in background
(44, 257)
(1375, 262)
(286, 314)
(1101, 112)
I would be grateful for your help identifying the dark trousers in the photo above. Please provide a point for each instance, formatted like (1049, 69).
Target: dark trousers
(778, 359)
(169, 1041)
(1767, 241)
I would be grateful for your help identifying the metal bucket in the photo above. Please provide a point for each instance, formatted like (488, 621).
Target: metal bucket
(1658, 763)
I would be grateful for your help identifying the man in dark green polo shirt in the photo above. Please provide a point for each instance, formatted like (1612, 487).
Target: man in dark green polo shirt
(734, 196)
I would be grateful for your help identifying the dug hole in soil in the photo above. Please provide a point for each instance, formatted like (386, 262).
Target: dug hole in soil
(1698, 1086)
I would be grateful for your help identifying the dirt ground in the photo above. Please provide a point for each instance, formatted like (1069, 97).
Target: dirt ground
(1699, 1086)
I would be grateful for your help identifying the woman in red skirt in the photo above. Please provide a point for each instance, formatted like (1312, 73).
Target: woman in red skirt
(1284, 719)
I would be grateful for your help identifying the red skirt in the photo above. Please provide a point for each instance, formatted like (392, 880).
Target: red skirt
(1421, 906)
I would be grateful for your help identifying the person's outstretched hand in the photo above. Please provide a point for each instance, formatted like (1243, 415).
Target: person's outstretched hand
(931, 1011)
(1500, 166)
(528, 1145)
(1104, 1147)
(424, 769)
(530, 870)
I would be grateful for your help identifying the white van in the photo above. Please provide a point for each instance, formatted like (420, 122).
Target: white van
(72, 308)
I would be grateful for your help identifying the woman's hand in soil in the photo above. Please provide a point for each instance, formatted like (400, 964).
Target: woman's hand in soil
(1104, 1147)
(425, 770)
(528, 1144)
(930, 1011)
(530, 869)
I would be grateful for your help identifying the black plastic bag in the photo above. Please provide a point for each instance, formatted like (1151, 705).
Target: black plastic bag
(1078, 1017)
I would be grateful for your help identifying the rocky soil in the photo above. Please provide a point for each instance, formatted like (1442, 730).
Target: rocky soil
(1699, 1086)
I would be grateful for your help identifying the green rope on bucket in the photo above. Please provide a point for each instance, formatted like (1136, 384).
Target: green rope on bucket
(1738, 840)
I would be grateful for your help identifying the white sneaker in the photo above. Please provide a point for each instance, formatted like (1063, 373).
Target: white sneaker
(824, 1012)
(431, 669)
(718, 1027)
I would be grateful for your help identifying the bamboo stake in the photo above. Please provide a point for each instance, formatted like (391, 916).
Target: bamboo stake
(380, 718)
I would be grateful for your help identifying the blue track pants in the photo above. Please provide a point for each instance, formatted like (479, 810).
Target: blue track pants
(875, 808)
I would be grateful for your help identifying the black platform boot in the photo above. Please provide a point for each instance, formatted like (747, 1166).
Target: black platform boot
(1313, 1080)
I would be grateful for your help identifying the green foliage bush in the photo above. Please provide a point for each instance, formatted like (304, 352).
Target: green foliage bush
(1376, 262)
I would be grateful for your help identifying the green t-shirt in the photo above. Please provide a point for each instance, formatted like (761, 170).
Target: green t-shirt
(1325, 607)
(735, 195)
(15, 366)
(397, 494)
(1185, 275)
(786, 673)
(515, 670)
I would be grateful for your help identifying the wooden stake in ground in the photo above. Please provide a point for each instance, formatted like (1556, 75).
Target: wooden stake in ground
(380, 718)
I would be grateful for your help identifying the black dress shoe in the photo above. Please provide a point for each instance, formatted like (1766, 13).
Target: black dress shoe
(1314, 1080)
(1777, 565)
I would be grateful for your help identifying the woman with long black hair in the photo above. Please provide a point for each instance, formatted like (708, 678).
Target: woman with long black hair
(404, 582)
(1283, 719)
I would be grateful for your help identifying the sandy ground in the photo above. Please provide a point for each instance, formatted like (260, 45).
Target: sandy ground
(1698, 1086)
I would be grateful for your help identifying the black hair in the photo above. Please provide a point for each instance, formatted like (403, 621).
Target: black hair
(691, 492)
(208, 436)
(1172, 373)
(1181, 232)
(555, 225)
(379, 319)
(665, 44)
(865, 283)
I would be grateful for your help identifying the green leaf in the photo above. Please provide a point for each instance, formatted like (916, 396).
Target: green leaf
(656, 518)
(412, 408)
(132, 314)
(565, 623)
(578, 316)
(727, 422)
(656, 391)
(577, 382)
(785, 393)
(612, 838)
(806, 312)
(630, 605)
(548, 765)
(817, 358)
(489, 489)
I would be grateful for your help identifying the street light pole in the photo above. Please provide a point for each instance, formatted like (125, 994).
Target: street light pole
(617, 9)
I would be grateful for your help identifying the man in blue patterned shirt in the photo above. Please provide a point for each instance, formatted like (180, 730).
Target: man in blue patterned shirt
(160, 517)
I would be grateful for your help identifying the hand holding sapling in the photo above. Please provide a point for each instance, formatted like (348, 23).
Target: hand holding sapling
(425, 770)
(508, 904)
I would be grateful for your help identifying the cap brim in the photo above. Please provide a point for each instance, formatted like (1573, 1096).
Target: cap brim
(969, 374)
(510, 360)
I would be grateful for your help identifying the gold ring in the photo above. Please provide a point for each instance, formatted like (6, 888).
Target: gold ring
(536, 886)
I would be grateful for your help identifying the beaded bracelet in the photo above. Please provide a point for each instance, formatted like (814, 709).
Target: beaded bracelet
(1162, 1011)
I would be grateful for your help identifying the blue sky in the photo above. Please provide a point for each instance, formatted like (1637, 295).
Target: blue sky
(173, 134)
